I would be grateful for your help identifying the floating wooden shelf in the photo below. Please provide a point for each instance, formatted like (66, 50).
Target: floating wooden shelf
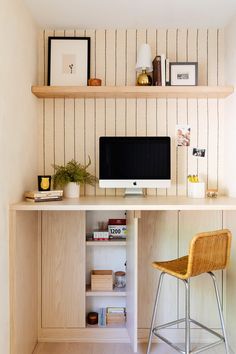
(132, 91)
(113, 243)
(115, 292)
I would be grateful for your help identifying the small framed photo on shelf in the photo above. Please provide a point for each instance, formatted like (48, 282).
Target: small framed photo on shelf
(68, 61)
(183, 74)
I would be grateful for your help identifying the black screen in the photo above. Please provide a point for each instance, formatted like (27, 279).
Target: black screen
(134, 158)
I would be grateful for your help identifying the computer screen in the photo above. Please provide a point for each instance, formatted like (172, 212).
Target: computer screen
(134, 162)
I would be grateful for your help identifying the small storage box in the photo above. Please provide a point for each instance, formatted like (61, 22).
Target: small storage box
(101, 280)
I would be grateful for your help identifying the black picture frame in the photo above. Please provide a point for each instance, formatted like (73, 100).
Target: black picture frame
(76, 50)
(184, 74)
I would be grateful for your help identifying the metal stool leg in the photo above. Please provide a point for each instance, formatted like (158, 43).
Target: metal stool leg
(187, 316)
(220, 312)
(154, 312)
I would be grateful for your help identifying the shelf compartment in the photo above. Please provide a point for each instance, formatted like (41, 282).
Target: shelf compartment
(112, 243)
(132, 91)
(118, 292)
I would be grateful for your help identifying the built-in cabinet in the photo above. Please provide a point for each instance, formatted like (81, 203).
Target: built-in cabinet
(50, 263)
(59, 298)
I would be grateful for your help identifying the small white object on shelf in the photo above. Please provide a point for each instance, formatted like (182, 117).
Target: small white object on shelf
(196, 190)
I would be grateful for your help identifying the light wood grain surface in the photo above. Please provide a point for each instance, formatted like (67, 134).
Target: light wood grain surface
(63, 269)
(81, 348)
(131, 92)
(23, 282)
(139, 203)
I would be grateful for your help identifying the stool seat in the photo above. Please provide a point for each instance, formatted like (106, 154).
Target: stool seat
(176, 267)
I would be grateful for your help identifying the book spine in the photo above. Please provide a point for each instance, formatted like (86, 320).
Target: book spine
(102, 317)
(167, 72)
(163, 70)
(157, 71)
(37, 200)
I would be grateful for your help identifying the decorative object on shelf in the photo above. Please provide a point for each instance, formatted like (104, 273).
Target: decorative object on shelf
(117, 229)
(101, 280)
(144, 65)
(92, 318)
(116, 315)
(212, 193)
(44, 183)
(43, 196)
(120, 281)
(71, 176)
(100, 235)
(196, 189)
(68, 61)
(183, 74)
(94, 82)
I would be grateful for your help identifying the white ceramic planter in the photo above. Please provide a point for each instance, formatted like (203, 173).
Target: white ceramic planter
(72, 190)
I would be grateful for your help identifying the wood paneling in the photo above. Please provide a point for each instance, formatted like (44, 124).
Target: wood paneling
(71, 128)
(158, 240)
(23, 281)
(63, 269)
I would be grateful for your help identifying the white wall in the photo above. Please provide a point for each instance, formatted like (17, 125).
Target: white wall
(230, 121)
(230, 171)
(18, 128)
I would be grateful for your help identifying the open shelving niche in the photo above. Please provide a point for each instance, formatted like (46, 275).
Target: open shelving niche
(132, 91)
(104, 255)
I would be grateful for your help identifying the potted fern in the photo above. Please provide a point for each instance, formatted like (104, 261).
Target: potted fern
(71, 176)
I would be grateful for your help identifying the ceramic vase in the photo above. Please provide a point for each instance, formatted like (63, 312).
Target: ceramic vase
(72, 190)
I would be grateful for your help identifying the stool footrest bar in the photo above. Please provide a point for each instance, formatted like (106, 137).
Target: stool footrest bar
(169, 324)
(169, 343)
(206, 347)
(199, 350)
(207, 329)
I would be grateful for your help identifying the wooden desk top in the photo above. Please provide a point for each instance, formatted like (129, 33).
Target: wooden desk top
(131, 203)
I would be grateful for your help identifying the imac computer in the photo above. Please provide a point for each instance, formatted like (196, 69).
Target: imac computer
(134, 163)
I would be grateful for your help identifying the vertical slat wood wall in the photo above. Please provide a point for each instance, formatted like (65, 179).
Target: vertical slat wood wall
(70, 128)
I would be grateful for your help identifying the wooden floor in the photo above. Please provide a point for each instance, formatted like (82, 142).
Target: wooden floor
(99, 348)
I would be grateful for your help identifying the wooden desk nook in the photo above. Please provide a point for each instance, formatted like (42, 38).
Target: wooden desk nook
(50, 262)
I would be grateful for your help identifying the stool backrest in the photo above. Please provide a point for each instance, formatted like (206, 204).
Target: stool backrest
(209, 251)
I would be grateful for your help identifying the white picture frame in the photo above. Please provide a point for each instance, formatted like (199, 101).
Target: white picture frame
(68, 61)
(183, 74)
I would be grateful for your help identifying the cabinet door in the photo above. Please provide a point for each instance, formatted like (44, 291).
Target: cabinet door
(63, 269)
(132, 279)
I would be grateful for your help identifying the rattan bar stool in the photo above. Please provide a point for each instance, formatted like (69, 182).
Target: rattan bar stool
(208, 251)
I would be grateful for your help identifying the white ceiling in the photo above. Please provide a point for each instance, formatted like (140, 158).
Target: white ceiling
(131, 13)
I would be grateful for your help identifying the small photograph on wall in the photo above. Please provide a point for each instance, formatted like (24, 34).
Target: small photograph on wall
(68, 61)
(183, 135)
(199, 152)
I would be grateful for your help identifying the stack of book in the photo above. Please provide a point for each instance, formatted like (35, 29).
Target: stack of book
(43, 196)
(116, 316)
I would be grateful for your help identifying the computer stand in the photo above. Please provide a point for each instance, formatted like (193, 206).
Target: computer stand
(135, 192)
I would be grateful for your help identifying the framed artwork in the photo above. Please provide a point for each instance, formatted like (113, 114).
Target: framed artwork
(68, 61)
(183, 74)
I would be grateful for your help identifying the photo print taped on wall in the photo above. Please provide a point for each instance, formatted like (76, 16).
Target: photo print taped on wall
(183, 133)
(199, 152)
